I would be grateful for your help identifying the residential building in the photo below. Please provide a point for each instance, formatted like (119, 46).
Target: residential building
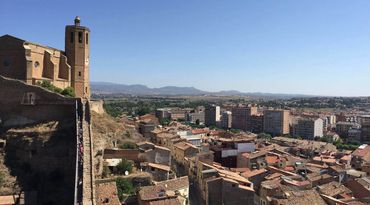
(365, 128)
(276, 122)
(106, 193)
(212, 115)
(182, 150)
(241, 117)
(361, 156)
(309, 128)
(195, 117)
(342, 127)
(256, 124)
(171, 192)
(163, 113)
(226, 120)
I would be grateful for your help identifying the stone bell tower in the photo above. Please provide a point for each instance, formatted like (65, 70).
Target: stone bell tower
(77, 50)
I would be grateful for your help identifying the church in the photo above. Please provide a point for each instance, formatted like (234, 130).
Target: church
(33, 63)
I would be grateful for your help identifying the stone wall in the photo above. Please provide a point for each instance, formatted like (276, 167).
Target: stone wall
(40, 129)
(22, 104)
(97, 106)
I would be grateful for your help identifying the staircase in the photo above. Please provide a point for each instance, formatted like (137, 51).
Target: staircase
(85, 186)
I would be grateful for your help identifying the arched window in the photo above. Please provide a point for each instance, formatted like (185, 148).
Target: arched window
(80, 37)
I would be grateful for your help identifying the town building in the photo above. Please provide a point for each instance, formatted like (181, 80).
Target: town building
(309, 128)
(226, 120)
(342, 127)
(276, 122)
(241, 117)
(365, 128)
(212, 115)
(171, 192)
(256, 124)
(34, 63)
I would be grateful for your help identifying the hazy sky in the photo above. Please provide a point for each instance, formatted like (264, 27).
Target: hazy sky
(287, 46)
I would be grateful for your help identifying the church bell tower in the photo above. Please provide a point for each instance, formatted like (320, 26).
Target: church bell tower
(77, 50)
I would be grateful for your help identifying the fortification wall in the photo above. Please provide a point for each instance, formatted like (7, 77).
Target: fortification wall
(22, 104)
(97, 106)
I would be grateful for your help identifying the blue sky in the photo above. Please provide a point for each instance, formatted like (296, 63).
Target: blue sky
(287, 46)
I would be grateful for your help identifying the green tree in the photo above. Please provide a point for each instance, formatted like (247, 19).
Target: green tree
(128, 145)
(124, 186)
(124, 166)
(165, 121)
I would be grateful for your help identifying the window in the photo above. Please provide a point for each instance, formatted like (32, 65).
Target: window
(79, 73)
(37, 64)
(28, 99)
(72, 37)
(87, 38)
(80, 37)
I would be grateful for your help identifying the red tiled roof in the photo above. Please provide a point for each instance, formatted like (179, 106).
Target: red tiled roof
(198, 131)
(272, 159)
(289, 168)
(362, 152)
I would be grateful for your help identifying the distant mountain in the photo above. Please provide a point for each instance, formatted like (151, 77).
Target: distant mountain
(137, 89)
(112, 88)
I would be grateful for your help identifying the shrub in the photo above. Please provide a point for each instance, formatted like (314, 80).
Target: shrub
(124, 166)
(2, 179)
(124, 186)
(106, 172)
(128, 145)
(68, 91)
(264, 136)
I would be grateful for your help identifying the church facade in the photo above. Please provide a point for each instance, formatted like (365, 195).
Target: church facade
(32, 63)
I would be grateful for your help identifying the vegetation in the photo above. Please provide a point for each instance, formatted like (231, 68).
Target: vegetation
(142, 106)
(124, 186)
(2, 179)
(235, 131)
(264, 136)
(68, 91)
(128, 145)
(165, 122)
(106, 172)
(124, 166)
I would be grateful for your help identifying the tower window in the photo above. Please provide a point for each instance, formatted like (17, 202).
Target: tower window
(72, 37)
(80, 37)
(79, 73)
(37, 64)
(87, 38)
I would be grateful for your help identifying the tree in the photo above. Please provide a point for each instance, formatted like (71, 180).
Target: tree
(165, 121)
(197, 122)
(128, 145)
(124, 166)
(124, 186)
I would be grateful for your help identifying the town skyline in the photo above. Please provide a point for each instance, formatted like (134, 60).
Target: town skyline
(292, 47)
